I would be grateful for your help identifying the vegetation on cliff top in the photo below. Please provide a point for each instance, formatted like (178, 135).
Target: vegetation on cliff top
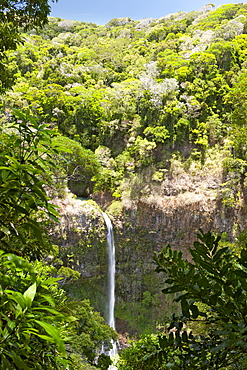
(136, 92)
(115, 106)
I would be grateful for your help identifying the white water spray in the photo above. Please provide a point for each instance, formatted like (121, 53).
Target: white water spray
(111, 281)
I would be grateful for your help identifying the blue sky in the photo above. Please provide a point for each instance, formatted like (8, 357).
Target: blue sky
(102, 11)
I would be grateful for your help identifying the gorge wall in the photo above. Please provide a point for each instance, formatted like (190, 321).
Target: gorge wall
(141, 227)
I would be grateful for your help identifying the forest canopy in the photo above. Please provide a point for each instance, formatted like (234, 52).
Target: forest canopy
(41, 327)
(119, 109)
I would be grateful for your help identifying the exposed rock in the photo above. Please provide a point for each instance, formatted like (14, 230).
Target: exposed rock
(141, 227)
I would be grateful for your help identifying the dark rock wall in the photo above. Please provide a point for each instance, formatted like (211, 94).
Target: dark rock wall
(141, 229)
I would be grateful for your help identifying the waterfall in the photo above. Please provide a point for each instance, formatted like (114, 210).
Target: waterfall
(111, 281)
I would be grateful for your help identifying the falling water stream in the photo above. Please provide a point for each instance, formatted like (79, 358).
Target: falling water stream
(111, 282)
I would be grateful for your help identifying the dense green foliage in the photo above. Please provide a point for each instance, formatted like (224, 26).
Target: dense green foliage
(115, 107)
(26, 157)
(136, 91)
(40, 326)
(212, 292)
(14, 17)
(37, 318)
(210, 333)
(76, 166)
(29, 309)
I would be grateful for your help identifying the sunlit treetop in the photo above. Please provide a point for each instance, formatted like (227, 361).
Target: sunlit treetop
(25, 13)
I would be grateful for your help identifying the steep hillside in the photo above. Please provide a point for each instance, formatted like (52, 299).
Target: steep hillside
(139, 92)
(152, 119)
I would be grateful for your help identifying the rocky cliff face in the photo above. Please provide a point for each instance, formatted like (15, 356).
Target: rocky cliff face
(141, 227)
(146, 227)
(81, 237)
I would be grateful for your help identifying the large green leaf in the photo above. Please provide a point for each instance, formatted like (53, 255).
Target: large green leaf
(54, 334)
(29, 294)
(20, 364)
(17, 297)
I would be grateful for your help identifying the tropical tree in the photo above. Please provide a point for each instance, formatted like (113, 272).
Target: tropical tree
(210, 332)
(16, 16)
(33, 328)
(212, 293)
(37, 318)
(26, 163)
(79, 165)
